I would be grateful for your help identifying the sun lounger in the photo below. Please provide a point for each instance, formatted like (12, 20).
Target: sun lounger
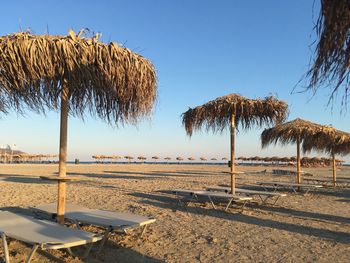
(328, 182)
(263, 195)
(191, 195)
(109, 220)
(41, 234)
(286, 185)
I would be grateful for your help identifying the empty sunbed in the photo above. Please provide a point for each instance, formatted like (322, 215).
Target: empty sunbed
(286, 185)
(328, 182)
(191, 195)
(41, 234)
(263, 195)
(109, 220)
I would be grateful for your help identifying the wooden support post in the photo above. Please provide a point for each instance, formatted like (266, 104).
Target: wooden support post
(334, 170)
(232, 133)
(298, 161)
(62, 155)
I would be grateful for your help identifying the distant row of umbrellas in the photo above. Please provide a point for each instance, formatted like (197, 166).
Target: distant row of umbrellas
(25, 157)
(276, 159)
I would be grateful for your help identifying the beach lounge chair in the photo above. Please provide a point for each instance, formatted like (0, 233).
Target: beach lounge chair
(263, 195)
(110, 221)
(286, 185)
(41, 234)
(195, 195)
(328, 182)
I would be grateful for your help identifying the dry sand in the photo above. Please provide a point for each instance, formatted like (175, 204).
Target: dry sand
(300, 228)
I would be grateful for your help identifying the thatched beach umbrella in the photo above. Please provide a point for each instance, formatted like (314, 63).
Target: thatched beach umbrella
(230, 111)
(179, 158)
(297, 131)
(142, 158)
(74, 74)
(155, 158)
(334, 142)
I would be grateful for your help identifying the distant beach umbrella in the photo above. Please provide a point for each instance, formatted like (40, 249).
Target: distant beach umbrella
(256, 158)
(78, 75)
(203, 158)
(167, 158)
(213, 159)
(141, 158)
(224, 159)
(285, 159)
(332, 142)
(179, 159)
(231, 111)
(155, 158)
(115, 158)
(191, 158)
(129, 158)
(297, 131)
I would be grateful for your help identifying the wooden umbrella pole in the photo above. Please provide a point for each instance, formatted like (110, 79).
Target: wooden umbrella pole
(232, 133)
(334, 169)
(62, 155)
(298, 161)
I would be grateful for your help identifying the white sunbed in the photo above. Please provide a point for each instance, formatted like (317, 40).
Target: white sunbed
(263, 195)
(286, 185)
(109, 220)
(191, 195)
(41, 234)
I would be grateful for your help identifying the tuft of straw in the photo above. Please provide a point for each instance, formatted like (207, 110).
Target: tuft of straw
(332, 55)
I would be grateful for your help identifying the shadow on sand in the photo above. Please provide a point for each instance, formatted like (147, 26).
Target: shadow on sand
(166, 202)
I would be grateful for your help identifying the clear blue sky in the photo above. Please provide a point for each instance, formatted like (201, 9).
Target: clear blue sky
(201, 50)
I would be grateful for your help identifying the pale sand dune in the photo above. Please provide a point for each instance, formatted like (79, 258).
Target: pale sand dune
(311, 228)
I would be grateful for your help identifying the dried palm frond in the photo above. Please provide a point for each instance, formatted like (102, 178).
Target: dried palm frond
(216, 114)
(109, 81)
(332, 61)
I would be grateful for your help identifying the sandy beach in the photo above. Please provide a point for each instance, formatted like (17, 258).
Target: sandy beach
(299, 228)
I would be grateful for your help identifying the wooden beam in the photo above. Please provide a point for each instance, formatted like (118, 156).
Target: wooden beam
(334, 170)
(298, 161)
(62, 168)
(232, 136)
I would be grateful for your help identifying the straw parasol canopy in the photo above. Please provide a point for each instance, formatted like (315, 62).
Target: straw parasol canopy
(142, 158)
(332, 143)
(231, 111)
(296, 131)
(77, 75)
(155, 157)
(332, 54)
(179, 159)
